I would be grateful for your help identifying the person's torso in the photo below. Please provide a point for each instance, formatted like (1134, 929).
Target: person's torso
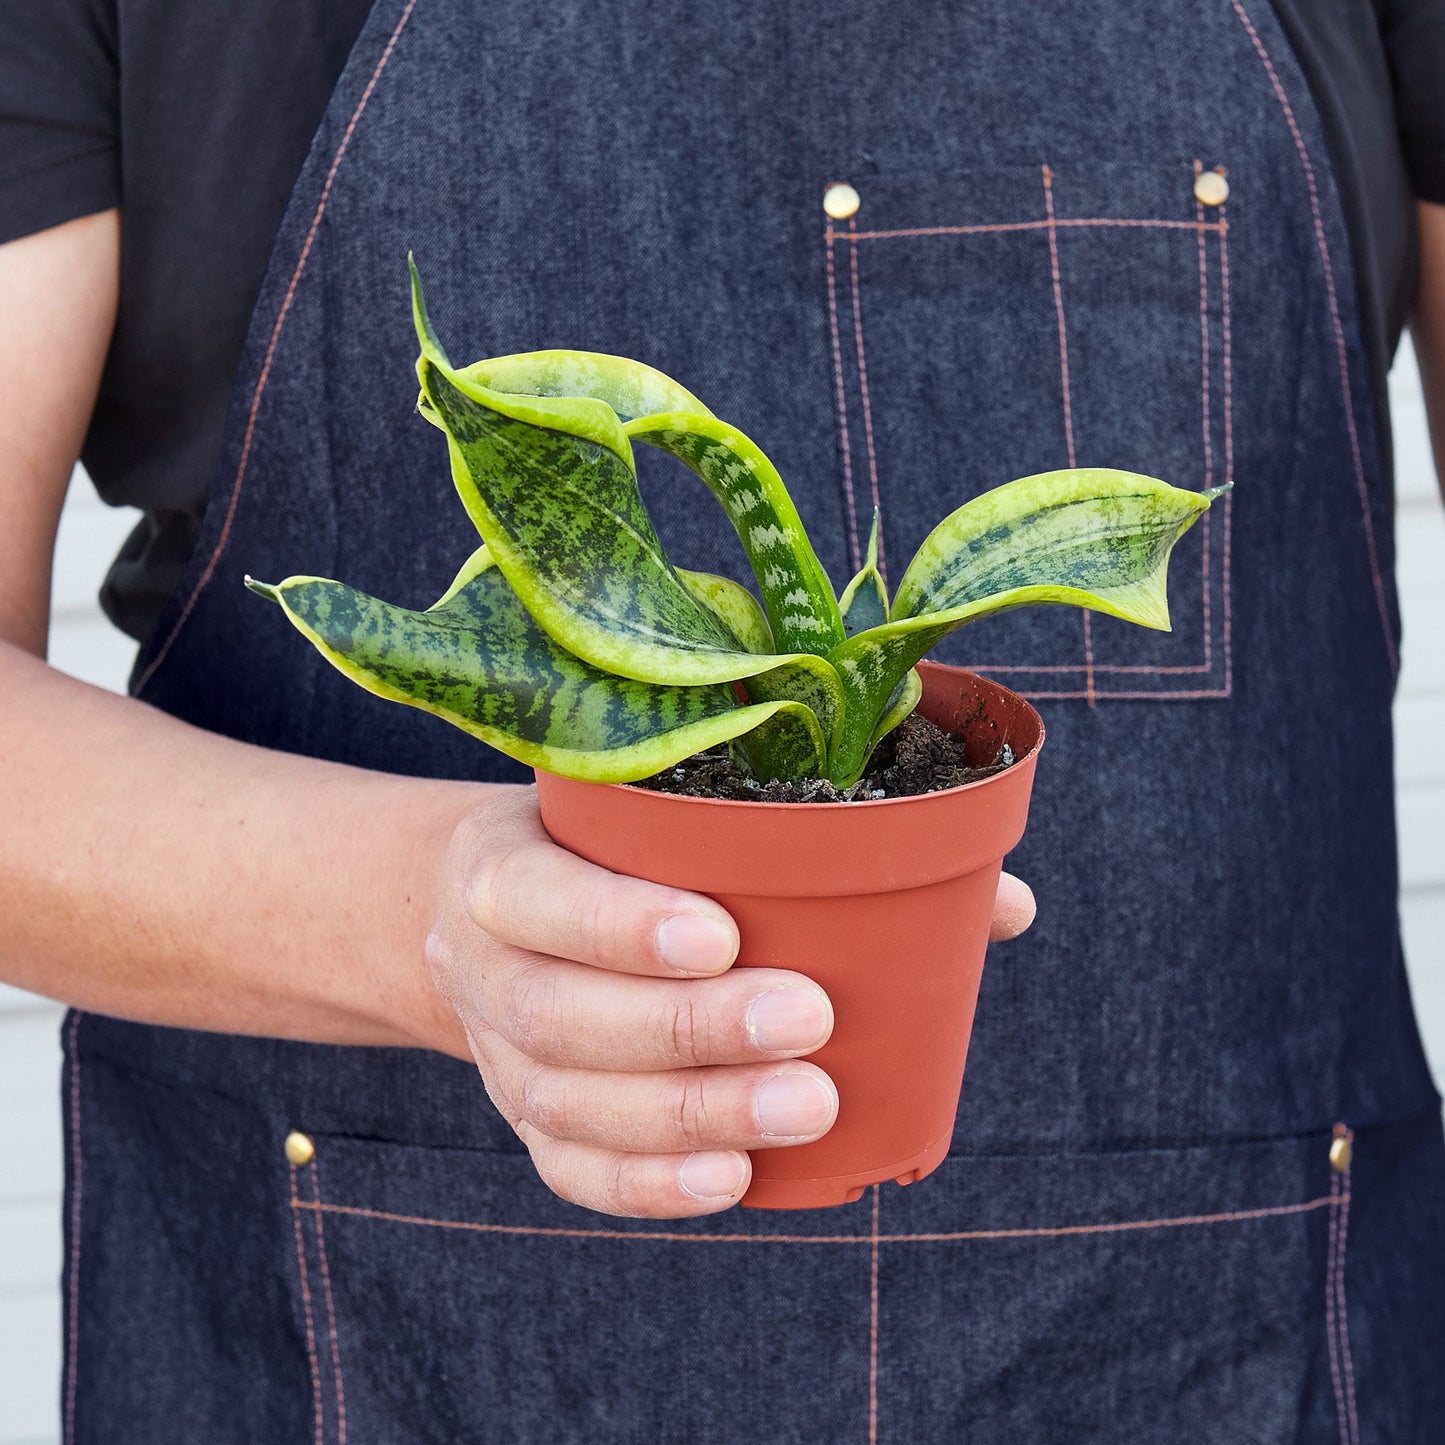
(1141, 1231)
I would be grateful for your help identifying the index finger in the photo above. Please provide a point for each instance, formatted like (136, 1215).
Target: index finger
(542, 898)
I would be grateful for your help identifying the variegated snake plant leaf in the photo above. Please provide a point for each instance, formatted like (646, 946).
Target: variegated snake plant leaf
(571, 642)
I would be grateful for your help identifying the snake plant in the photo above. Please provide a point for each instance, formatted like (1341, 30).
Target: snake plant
(570, 642)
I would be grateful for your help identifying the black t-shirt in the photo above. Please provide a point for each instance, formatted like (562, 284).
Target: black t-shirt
(194, 117)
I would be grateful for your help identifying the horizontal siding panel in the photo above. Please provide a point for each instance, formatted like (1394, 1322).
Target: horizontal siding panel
(1415, 485)
(85, 546)
(30, 1357)
(19, 1001)
(1414, 470)
(33, 1240)
(1421, 813)
(1419, 544)
(1422, 652)
(30, 1047)
(93, 651)
(1422, 918)
(1420, 739)
(30, 1145)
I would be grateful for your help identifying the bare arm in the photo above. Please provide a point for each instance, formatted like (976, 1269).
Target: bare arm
(158, 872)
(149, 869)
(1427, 326)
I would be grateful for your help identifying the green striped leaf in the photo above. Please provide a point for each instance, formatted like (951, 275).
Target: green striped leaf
(570, 641)
(1085, 538)
(796, 592)
(1089, 530)
(631, 388)
(905, 698)
(477, 659)
(734, 606)
(864, 602)
(774, 750)
(659, 411)
(550, 485)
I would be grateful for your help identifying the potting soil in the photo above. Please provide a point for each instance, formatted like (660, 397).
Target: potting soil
(916, 757)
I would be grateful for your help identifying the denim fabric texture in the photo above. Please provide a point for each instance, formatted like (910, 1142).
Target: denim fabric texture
(1139, 1235)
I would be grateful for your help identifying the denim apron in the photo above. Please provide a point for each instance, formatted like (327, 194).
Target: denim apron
(1196, 1187)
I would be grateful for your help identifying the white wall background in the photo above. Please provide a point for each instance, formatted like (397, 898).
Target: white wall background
(84, 644)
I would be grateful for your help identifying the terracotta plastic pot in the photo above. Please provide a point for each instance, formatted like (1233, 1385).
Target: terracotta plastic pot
(885, 904)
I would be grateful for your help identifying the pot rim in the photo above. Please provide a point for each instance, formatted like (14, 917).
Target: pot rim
(914, 798)
(817, 850)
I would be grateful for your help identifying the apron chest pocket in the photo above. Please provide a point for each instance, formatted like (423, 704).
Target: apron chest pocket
(995, 324)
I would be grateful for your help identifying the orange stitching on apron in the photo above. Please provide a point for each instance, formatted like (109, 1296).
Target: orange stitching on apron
(1330, 1336)
(873, 1326)
(1237, 1216)
(1151, 222)
(1196, 695)
(1224, 314)
(1337, 325)
(874, 1239)
(1337, 1326)
(315, 1366)
(265, 375)
(72, 1311)
(867, 403)
(330, 1307)
(1221, 227)
(854, 550)
(1053, 231)
(1204, 337)
(1051, 224)
(1344, 1323)
(1206, 428)
(1192, 669)
(1068, 400)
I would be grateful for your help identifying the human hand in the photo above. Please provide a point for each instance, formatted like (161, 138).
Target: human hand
(610, 1029)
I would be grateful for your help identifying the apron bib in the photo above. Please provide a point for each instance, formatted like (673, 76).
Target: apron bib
(1196, 1180)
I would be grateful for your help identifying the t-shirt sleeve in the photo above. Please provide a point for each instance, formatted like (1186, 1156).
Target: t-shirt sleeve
(59, 137)
(1414, 34)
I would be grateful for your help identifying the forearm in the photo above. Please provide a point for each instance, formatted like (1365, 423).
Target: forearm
(1427, 326)
(157, 872)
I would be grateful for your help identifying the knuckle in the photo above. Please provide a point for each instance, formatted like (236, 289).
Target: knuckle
(506, 1108)
(622, 1192)
(493, 884)
(683, 1026)
(544, 1105)
(547, 1160)
(691, 1110)
(502, 1101)
(531, 1011)
(594, 921)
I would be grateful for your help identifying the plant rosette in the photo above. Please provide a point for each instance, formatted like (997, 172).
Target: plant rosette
(571, 642)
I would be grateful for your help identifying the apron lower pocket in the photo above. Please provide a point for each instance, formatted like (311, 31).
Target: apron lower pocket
(1144, 1295)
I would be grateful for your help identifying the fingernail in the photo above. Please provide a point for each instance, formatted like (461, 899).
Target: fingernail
(712, 1176)
(789, 1018)
(693, 943)
(793, 1106)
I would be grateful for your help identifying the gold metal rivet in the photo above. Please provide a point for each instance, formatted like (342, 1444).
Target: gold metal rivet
(1211, 188)
(841, 201)
(299, 1149)
(1340, 1153)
